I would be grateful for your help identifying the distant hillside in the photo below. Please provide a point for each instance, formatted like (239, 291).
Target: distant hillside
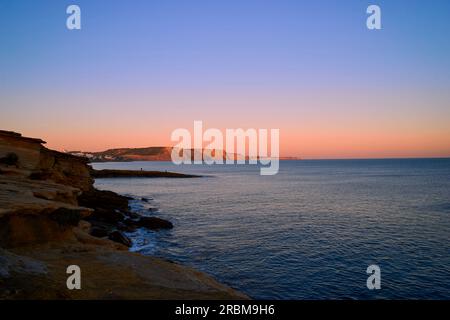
(151, 154)
(142, 154)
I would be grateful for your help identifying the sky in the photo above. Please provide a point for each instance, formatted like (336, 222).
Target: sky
(137, 70)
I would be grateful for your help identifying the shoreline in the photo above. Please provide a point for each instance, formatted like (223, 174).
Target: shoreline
(52, 217)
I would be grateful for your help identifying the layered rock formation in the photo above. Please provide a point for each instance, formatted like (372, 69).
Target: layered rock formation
(51, 217)
(39, 191)
(34, 161)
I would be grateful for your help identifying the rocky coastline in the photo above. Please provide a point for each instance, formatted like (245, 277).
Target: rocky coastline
(51, 216)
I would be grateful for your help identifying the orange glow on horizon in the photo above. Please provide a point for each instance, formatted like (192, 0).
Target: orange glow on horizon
(313, 125)
(305, 144)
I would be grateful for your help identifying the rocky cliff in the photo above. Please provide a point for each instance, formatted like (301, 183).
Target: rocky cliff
(51, 217)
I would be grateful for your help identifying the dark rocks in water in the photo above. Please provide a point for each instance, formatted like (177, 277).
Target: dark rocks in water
(132, 215)
(112, 216)
(104, 230)
(119, 237)
(103, 199)
(127, 226)
(152, 209)
(108, 206)
(154, 223)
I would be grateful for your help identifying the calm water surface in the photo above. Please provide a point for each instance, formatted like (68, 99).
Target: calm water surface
(307, 233)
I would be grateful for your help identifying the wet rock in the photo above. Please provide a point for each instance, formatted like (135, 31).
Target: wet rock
(154, 223)
(102, 199)
(132, 215)
(127, 227)
(144, 199)
(119, 237)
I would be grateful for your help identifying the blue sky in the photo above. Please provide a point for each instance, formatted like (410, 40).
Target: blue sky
(225, 43)
(225, 48)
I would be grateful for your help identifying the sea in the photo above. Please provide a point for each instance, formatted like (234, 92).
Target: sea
(308, 232)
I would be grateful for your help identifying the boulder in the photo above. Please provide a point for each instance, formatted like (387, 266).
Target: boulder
(119, 237)
(105, 215)
(154, 223)
(127, 226)
(103, 199)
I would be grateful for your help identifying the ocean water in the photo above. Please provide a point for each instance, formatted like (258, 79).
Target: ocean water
(309, 232)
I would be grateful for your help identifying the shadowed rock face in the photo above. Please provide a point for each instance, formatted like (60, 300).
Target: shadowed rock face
(27, 150)
(36, 162)
(65, 169)
(45, 199)
(37, 211)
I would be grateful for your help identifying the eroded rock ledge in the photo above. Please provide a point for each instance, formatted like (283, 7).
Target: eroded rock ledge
(51, 217)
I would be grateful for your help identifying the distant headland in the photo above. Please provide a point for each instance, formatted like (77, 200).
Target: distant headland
(149, 154)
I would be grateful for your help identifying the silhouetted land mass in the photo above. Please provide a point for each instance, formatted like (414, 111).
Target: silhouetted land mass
(110, 173)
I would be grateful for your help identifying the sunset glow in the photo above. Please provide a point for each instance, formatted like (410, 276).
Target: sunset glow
(334, 89)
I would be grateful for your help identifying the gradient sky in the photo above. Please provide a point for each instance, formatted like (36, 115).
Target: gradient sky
(139, 69)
